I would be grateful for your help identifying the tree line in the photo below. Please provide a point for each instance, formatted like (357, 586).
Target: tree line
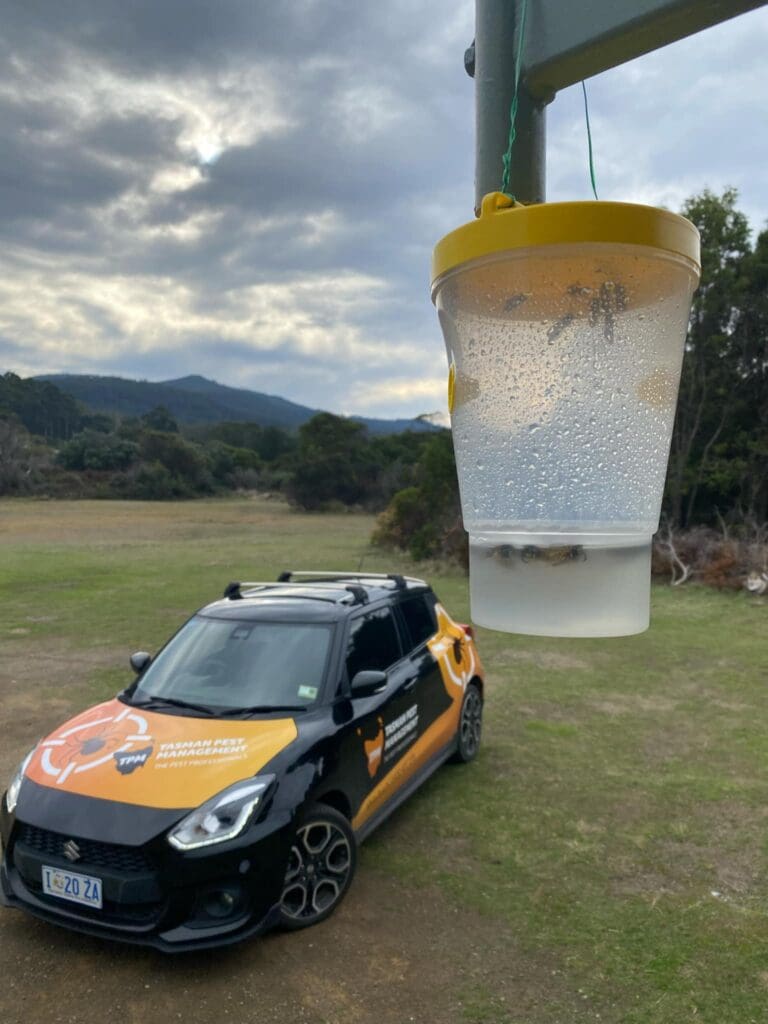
(719, 456)
(50, 445)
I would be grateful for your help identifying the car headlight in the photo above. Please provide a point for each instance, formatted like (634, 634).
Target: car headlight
(222, 817)
(12, 793)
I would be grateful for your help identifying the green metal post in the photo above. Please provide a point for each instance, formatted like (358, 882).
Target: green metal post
(494, 66)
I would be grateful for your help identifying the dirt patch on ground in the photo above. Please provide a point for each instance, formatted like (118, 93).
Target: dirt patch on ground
(549, 712)
(649, 885)
(728, 870)
(558, 661)
(615, 704)
(732, 705)
(739, 867)
(668, 744)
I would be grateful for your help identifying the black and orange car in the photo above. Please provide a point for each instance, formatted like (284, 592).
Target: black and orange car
(225, 791)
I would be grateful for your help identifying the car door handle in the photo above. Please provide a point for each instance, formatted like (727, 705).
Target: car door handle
(410, 683)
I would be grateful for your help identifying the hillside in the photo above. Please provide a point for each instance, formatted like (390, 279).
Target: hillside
(196, 399)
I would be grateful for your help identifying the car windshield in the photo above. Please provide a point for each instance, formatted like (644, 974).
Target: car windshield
(226, 664)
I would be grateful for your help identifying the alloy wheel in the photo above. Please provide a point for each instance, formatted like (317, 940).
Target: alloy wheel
(319, 868)
(471, 722)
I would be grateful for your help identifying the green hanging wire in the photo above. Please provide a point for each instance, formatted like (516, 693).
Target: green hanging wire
(507, 158)
(589, 141)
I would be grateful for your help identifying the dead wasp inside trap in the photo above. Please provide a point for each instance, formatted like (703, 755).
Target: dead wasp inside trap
(600, 305)
(507, 554)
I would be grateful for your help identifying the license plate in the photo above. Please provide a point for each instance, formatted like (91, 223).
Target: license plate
(68, 885)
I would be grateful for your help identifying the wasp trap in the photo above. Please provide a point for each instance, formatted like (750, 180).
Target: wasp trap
(564, 325)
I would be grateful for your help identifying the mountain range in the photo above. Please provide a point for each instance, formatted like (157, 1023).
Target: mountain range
(196, 399)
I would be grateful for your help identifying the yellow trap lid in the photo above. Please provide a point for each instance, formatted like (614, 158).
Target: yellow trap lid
(504, 225)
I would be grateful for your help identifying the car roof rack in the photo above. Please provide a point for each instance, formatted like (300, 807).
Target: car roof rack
(393, 577)
(234, 591)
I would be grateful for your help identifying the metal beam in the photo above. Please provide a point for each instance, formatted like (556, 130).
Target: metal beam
(566, 41)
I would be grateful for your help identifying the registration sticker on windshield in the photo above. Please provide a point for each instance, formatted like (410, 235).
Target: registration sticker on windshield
(307, 692)
(68, 885)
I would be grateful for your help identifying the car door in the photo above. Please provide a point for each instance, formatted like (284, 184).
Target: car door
(378, 731)
(437, 697)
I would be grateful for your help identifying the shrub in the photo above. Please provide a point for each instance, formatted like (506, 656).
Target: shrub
(226, 462)
(333, 464)
(14, 456)
(425, 519)
(711, 557)
(150, 481)
(183, 461)
(93, 449)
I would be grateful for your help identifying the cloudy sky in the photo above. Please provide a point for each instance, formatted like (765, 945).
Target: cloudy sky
(250, 190)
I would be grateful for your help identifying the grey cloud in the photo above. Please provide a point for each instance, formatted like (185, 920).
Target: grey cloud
(133, 137)
(145, 37)
(39, 181)
(296, 171)
(52, 173)
(10, 351)
(99, 317)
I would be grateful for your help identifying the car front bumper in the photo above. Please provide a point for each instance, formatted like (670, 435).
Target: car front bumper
(153, 895)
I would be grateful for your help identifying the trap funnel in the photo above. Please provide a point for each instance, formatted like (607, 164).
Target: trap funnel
(564, 325)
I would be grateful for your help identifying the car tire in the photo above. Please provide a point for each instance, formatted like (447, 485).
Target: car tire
(321, 866)
(470, 725)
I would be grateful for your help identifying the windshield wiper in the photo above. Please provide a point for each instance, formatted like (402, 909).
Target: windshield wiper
(258, 709)
(175, 703)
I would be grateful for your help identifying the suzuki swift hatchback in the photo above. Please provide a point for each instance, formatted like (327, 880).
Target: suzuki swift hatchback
(226, 789)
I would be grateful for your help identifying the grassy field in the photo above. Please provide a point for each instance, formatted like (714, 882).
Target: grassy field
(614, 827)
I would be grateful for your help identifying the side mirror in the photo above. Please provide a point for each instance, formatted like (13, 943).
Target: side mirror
(139, 661)
(368, 682)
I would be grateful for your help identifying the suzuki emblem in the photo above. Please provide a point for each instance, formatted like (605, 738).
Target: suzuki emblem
(71, 850)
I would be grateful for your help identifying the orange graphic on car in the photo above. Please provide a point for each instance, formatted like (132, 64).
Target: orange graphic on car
(94, 742)
(448, 648)
(114, 753)
(374, 749)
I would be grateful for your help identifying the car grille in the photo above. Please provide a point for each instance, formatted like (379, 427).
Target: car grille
(128, 859)
(120, 913)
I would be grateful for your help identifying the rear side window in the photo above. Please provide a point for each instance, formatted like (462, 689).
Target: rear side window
(373, 643)
(418, 619)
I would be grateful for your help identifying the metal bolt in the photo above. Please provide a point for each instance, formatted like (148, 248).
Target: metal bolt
(469, 60)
